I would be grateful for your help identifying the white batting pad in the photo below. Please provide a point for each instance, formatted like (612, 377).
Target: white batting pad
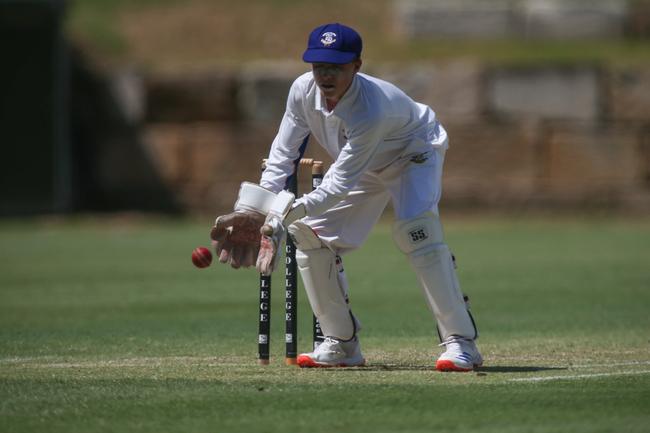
(421, 239)
(320, 278)
(303, 236)
(412, 234)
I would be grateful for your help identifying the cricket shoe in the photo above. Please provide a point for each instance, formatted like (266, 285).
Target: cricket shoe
(333, 353)
(461, 355)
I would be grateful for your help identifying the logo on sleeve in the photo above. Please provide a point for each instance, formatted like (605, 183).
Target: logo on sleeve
(328, 38)
(420, 158)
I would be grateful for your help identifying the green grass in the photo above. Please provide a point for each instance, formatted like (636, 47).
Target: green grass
(199, 33)
(106, 326)
(94, 23)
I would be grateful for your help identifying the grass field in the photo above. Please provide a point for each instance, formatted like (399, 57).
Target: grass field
(188, 34)
(106, 326)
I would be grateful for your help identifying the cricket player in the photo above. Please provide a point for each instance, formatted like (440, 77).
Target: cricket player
(385, 147)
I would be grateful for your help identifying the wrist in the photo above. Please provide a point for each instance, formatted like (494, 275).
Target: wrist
(282, 204)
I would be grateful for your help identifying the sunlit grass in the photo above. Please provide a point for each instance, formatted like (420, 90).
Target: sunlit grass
(106, 326)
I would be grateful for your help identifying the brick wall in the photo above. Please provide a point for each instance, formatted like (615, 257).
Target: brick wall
(532, 19)
(534, 137)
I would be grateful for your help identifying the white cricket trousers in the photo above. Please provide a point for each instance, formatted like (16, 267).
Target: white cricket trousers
(413, 187)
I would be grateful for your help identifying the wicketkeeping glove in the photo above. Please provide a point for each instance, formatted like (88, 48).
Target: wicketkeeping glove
(274, 232)
(236, 238)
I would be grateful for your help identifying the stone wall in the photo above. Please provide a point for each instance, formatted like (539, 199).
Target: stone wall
(523, 137)
(532, 19)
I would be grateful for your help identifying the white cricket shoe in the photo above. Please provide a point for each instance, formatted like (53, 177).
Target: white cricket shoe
(333, 353)
(461, 355)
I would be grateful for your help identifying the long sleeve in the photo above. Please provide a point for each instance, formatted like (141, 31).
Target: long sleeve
(285, 148)
(344, 174)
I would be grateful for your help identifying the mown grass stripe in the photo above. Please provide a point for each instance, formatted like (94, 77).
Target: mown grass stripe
(578, 376)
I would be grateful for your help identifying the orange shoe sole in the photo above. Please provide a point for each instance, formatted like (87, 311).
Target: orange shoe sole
(446, 365)
(305, 361)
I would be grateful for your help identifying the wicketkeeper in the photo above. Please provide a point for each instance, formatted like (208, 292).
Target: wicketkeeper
(385, 147)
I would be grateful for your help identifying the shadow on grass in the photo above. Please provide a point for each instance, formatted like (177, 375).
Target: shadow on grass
(382, 367)
(516, 369)
(429, 367)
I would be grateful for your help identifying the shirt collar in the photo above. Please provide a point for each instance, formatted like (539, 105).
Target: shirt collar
(350, 95)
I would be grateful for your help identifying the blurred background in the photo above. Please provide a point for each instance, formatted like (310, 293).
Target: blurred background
(167, 105)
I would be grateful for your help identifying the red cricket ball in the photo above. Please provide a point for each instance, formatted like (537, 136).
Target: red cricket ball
(201, 257)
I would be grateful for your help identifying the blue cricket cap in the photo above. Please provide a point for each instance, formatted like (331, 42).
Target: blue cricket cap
(333, 43)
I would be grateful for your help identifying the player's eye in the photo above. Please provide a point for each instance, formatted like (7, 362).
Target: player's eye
(327, 69)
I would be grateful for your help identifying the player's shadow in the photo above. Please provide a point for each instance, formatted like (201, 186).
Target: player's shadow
(429, 367)
(384, 367)
(516, 369)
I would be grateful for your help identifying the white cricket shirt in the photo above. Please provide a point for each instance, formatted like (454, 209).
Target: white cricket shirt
(373, 125)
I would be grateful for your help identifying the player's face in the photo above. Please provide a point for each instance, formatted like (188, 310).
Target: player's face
(334, 80)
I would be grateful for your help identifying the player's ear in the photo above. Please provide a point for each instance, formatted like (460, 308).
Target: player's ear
(357, 64)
